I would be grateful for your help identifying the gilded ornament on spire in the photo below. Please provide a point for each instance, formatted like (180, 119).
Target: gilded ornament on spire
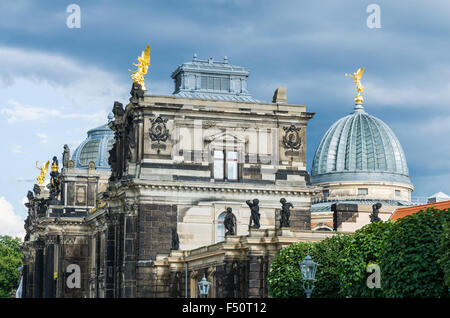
(138, 76)
(43, 170)
(356, 79)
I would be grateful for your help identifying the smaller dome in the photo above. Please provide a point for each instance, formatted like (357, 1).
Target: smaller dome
(95, 148)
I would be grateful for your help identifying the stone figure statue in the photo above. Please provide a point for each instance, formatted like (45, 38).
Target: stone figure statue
(285, 213)
(375, 210)
(255, 215)
(175, 240)
(36, 190)
(229, 222)
(118, 110)
(54, 182)
(66, 156)
(30, 196)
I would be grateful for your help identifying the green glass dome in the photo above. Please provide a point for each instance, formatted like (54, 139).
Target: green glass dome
(95, 148)
(359, 147)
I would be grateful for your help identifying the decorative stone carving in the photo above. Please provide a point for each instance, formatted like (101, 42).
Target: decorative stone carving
(112, 161)
(55, 186)
(255, 215)
(36, 190)
(194, 274)
(136, 92)
(71, 164)
(66, 156)
(30, 196)
(285, 213)
(130, 138)
(291, 139)
(375, 210)
(175, 240)
(118, 110)
(229, 222)
(159, 132)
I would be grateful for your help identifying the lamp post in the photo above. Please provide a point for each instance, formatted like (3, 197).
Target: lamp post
(203, 287)
(308, 269)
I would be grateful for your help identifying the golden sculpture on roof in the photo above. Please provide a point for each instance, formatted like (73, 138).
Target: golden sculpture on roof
(356, 79)
(43, 169)
(138, 76)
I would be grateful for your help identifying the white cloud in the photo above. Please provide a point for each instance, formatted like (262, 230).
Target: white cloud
(10, 223)
(20, 113)
(43, 137)
(76, 89)
(18, 149)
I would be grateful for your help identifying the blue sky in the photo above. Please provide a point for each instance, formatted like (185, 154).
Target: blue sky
(56, 82)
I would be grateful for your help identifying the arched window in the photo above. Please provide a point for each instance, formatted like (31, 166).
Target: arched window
(221, 227)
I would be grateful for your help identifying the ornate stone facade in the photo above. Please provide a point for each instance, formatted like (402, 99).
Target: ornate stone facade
(177, 163)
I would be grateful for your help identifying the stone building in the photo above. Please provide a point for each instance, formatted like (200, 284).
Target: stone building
(143, 200)
(155, 222)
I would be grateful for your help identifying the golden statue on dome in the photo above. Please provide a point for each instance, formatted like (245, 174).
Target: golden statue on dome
(138, 76)
(356, 79)
(43, 170)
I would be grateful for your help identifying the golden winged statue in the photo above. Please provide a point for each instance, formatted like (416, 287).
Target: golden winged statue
(138, 76)
(43, 169)
(356, 79)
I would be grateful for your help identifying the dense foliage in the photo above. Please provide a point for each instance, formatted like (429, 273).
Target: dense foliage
(444, 251)
(413, 254)
(285, 279)
(365, 247)
(10, 260)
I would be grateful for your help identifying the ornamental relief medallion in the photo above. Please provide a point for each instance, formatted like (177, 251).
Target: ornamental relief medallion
(291, 138)
(159, 133)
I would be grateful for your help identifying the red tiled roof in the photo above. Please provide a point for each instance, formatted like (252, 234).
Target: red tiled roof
(402, 212)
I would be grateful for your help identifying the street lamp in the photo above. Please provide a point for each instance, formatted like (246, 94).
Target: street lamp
(308, 268)
(203, 287)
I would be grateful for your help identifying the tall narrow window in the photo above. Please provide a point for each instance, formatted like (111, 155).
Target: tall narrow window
(218, 165)
(232, 165)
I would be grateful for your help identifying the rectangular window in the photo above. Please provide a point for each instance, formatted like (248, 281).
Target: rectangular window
(204, 81)
(218, 165)
(397, 193)
(326, 193)
(232, 165)
(363, 191)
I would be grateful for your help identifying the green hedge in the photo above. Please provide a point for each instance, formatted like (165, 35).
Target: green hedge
(444, 251)
(413, 255)
(365, 247)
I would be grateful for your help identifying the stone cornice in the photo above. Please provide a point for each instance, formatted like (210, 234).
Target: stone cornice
(221, 187)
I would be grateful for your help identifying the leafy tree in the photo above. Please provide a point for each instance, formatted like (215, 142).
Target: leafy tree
(327, 254)
(285, 278)
(10, 260)
(412, 256)
(444, 260)
(365, 247)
